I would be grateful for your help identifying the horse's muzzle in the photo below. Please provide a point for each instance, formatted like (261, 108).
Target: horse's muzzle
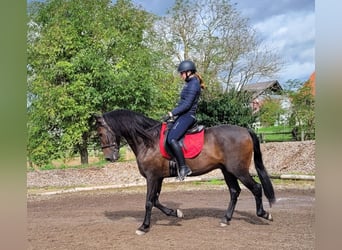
(112, 158)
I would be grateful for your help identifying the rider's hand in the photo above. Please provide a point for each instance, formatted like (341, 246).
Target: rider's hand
(167, 117)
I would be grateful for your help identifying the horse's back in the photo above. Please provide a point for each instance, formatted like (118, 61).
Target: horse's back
(228, 132)
(227, 147)
(228, 141)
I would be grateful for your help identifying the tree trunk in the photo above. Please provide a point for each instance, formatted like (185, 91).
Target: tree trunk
(83, 149)
(84, 155)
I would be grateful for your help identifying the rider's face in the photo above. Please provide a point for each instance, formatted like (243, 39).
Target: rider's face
(183, 75)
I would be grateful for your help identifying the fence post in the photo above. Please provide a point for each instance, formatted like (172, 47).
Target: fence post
(302, 135)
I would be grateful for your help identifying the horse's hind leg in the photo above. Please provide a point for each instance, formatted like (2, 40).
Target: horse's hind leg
(161, 207)
(256, 189)
(234, 190)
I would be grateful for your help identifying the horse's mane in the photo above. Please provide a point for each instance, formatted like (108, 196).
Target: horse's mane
(130, 125)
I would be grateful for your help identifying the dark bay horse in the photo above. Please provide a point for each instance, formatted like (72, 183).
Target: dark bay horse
(227, 147)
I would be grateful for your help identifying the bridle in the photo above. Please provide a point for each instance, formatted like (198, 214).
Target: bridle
(109, 146)
(114, 144)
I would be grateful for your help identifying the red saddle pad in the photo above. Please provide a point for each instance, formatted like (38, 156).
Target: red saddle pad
(192, 143)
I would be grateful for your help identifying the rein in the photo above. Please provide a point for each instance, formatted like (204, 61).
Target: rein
(125, 142)
(153, 127)
(108, 146)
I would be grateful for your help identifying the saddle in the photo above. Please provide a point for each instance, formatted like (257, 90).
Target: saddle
(191, 143)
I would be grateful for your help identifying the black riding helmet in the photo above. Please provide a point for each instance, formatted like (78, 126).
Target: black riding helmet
(187, 65)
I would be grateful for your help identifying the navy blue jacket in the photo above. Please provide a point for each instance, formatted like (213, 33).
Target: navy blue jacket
(188, 98)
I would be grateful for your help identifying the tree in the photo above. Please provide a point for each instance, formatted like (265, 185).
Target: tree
(227, 108)
(302, 107)
(84, 57)
(225, 49)
(270, 112)
(221, 43)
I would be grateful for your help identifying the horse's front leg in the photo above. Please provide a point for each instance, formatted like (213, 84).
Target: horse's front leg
(168, 211)
(145, 227)
(152, 199)
(151, 196)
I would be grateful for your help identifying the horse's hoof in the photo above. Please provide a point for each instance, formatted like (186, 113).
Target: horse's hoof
(180, 214)
(267, 216)
(224, 222)
(142, 230)
(139, 232)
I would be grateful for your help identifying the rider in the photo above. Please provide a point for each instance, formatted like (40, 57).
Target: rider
(184, 113)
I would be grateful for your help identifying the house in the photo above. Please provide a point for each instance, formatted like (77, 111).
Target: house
(261, 90)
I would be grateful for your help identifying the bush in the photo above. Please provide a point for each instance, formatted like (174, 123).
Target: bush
(230, 108)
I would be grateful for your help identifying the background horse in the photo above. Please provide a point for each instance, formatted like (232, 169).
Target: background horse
(227, 147)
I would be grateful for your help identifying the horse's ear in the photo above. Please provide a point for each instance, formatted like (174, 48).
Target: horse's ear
(98, 118)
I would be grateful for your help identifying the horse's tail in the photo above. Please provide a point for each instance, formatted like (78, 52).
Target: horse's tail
(260, 168)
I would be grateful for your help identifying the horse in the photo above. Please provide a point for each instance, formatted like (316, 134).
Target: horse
(226, 147)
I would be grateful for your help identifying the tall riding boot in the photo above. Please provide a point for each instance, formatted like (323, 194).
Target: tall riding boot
(184, 170)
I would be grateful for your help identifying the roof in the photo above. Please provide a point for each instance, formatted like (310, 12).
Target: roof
(311, 83)
(263, 87)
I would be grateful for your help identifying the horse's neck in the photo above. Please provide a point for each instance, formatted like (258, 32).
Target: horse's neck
(133, 146)
(137, 145)
(134, 143)
(134, 139)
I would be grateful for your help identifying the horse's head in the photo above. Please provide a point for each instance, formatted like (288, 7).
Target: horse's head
(110, 143)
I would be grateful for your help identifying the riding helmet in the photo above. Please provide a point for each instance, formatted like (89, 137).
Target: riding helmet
(187, 65)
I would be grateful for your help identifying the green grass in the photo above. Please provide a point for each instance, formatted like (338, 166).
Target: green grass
(210, 182)
(125, 155)
(216, 182)
(47, 167)
(275, 129)
(275, 181)
(276, 133)
(101, 163)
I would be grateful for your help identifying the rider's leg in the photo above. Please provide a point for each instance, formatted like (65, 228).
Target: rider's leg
(184, 170)
(176, 132)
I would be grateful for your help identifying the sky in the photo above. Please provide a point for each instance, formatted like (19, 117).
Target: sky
(287, 26)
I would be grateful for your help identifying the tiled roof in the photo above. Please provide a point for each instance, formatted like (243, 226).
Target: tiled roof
(260, 87)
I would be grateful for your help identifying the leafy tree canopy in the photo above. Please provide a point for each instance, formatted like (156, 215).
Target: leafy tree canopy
(303, 107)
(84, 57)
